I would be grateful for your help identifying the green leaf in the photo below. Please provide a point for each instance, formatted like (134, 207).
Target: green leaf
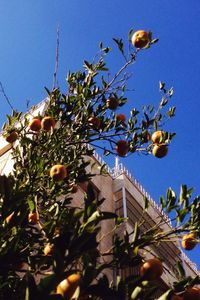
(88, 66)
(136, 292)
(94, 217)
(47, 90)
(164, 101)
(31, 288)
(104, 82)
(120, 45)
(31, 204)
(48, 283)
(103, 170)
(136, 232)
(146, 203)
(171, 111)
(183, 193)
(130, 34)
(106, 215)
(181, 270)
(171, 92)
(162, 202)
(154, 41)
(166, 296)
(107, 49)
(182, 213)
(161, 85)
(171, 199)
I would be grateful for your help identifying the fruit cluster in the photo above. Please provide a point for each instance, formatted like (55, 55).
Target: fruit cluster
(159, 148)
(46, 124)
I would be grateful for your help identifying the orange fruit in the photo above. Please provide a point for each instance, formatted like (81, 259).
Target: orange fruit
(121, 118)
(94, 122)
(68, 286)
(35, 124)
(140, 39)
(160, 150)
(122, 147)
(157, 137)
(12, 137)
(33, 218)
(47, 123)
(58, 172)
(192, 293)
(152, 269)
(48, 249)
(112, 103)
(189, 241)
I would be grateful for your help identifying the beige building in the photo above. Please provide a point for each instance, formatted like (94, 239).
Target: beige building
(125, 196)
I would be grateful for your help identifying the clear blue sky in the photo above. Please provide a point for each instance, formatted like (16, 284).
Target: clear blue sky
(27, 62)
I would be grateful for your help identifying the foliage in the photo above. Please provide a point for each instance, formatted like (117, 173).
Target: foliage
(26, 273)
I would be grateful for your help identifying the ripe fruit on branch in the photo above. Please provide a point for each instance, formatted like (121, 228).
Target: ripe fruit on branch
(160, 150)
(58, 172)
(94, 122)
(48, 249)
(33, 218)
(12, 137)
(152, 269)
(35, 124)
(121, 118)
(189, 241)
(157, 137)
(192, 293)
(141, 39)
(47, 123)
(122, 147)
(112, 103)
(68, 286)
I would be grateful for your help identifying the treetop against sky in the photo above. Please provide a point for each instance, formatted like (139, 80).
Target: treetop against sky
(27, 59)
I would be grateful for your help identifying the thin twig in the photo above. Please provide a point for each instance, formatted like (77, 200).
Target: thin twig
(57, 58)
(130, 61)
(5, 96)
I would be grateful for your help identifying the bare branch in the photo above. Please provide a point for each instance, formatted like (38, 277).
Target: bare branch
(57, 58)
(5, 96)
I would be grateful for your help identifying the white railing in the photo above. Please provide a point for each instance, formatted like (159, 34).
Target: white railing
(192, 265)
(120, 169)
(100, 160)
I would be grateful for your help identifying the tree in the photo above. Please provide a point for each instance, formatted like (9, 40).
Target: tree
(42, 234)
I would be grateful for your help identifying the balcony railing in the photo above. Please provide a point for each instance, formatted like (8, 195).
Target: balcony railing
(120, 169)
